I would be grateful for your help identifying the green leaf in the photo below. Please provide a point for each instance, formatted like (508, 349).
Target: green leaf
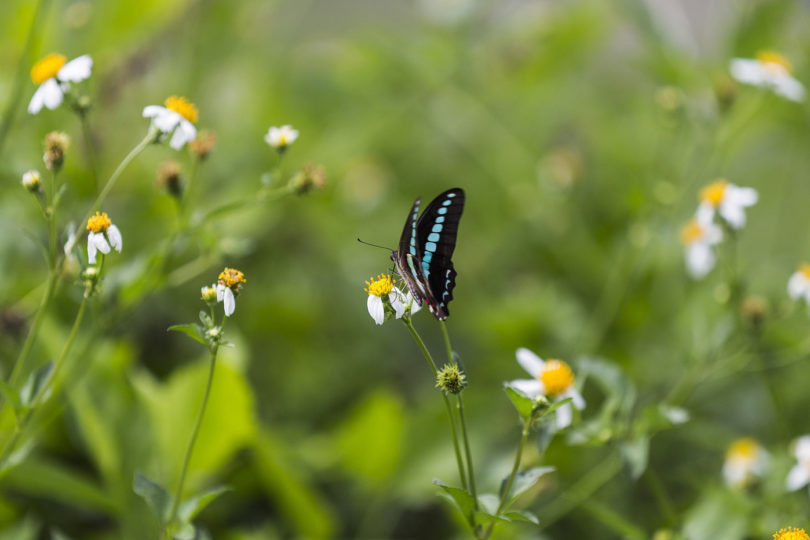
(205, 318)
(155, 495)
(523, 403)
(522, 515)
(187, 532)
(484, 518)
(35, 384)
(10, 395)
(523, 481)
(17, 457)
(553, 407)
(194, 331)
(461, 498)
(636, 453)
(489, 502)
(196, 504)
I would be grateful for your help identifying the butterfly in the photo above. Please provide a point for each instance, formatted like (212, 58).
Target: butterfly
(426, 246)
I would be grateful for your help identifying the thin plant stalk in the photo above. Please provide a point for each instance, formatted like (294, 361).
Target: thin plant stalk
(18, 432)
(459, 461)
(460, 406)
(195, 431)
(92, 158)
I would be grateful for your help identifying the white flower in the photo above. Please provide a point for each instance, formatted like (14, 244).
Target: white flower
(229, 280)
(768, 70)
(381, 288)
(281, 137)
(698, 236)
(552, 378)
(31, 180)
(102, 236)
(799, 475)
(177, 117)
(745, 459)
(54, 74)
(799, 283)
(729, 200)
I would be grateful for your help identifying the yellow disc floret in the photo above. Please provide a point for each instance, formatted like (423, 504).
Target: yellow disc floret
(381, 287)
(556, 377)
(790, 534)
(714, 192)
(99, 223)
(804, 268)
(774, 60)
(47, 68)
(691, 233)
(745, 449)
(183, 107)
(231, 278)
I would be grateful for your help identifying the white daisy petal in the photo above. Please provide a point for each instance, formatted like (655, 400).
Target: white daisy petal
(743, 196)
(220, 292)
(76, 70)
(529, 361)
(797, 285)
(531, 387)
(395, 297)
(798, 477)
(802, 449)
(699, 259)
(91, 249)
(564, 415)
(229, 301)
(576, 398)
(183, 134)
(748, 71)
(114, 235)
(376, 308)
(788, 87)
(733, 213)
(705, 214)
(100, 242)
(166, 121)
(48, 94)
(735, 472)
(150, 111)
(37, 100)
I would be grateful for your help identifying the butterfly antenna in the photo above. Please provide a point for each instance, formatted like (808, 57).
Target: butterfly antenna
(374, 245)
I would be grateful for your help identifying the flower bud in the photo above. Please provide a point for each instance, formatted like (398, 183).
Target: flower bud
(32, 181)
(56, 144)
(209, 294)
(203, 144)
(451, 379)
(170, 177)
(311, 177)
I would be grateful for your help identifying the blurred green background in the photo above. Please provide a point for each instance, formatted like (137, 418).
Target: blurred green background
(581, 132)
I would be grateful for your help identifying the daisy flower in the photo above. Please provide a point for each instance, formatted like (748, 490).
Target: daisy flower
(177, 117)
(698, 237)
(103, 235)
(382, 291)
(281, 137)
(768, 70)
(799, 475)
(32, 181)
(745, 460)
(552, 378)
(228, 286)
(791, 533)
(54, 74)
(728, 200)
(799, 283)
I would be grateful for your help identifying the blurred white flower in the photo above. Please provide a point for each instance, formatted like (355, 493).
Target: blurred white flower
(768, 70)
(698, 236)
(381, 288)
(177, 117)
(229, 284)
(728, 200)
(102, 236)
(54, 74)
(799, 475)
(281, 137)
(745, 460)
(31, 180)
(552, 378)
(799, 283)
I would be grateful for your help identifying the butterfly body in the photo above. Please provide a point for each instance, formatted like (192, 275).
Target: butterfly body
(424, 255)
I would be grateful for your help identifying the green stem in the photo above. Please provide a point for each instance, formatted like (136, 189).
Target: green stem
(17, 371)
(179, 493)
(91, 148)
(9, 447)
(460, 406)
(150, 137)
(460, 462)
(20, 76)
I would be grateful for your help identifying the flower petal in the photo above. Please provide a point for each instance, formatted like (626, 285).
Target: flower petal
(699, 259)
(576, 398)
(229, 301)
(529, 361)
(564, 415)
(798, 477)
(531, 387)
(114, 235)
(150, 111)
(100, 242)
(376, 308)
(802, 448)
(48, 94)
(797, 285)
(220, 292)
(184, 133)
(395, 297)
(76, 70)
(743, 196)
(704, 214)
(91, 249)
(166, 120)
(748, 71)
(788, 87)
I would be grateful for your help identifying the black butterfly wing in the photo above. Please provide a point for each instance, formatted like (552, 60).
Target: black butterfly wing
(407, 258)
(436, 232)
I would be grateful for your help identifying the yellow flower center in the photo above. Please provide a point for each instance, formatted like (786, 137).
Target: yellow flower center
(804, 268)
(381, 287)
(47, 68)
(774, 61)
(691, 233)
(183, 107)
(745, 448)
(98, 223)
(230, 277)
(791, 534)
(714, 192)
(556, 377)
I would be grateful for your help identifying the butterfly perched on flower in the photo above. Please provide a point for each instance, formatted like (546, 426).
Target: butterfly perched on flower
(426, 246)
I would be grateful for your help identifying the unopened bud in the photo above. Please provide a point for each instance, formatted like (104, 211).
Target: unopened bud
(56, 144)
(203, 144)
(311, 177)
(32, 181)
(170, 177)
(451, 379)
